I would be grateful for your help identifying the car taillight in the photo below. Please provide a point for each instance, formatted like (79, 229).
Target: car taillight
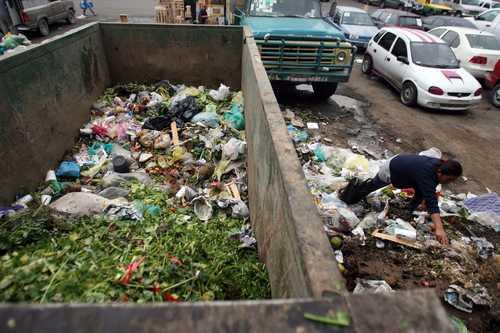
(436, 91)
(25, 17)
(478, 60)
(478, 92)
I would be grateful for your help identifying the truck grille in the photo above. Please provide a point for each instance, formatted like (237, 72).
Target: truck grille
(304, 54)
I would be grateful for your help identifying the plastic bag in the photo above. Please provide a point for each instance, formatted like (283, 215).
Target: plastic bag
(221, 94)
(233, 148)
(157, 123)
(371, 286)
(235, 117)
(210, 119)
(68, 169)
(432, 152)
(186, 108)
(297, 136)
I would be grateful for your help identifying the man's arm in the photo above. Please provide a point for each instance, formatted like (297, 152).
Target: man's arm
(439, 229)
(428, 189)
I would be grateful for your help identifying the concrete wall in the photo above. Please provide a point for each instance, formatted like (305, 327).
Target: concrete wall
(290, 233)
(191, 54)
(45, 95)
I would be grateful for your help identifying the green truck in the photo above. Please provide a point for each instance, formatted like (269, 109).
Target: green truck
(296, 45)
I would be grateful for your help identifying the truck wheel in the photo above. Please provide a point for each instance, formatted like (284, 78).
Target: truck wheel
(495, 96)
(71, 17)
(459, 14)
(43, 27)
(324, 90)
(409, 94)
(367, 65)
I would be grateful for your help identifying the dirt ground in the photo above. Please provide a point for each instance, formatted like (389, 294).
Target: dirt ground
(382, 126)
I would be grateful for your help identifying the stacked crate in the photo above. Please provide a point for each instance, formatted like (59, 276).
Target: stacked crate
(169, 11)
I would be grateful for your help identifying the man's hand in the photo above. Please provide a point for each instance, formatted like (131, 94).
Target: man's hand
(441, 236)
(439, 229)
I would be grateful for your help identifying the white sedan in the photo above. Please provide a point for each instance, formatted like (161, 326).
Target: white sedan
(478, 51)
(488, 20)
(423, 68)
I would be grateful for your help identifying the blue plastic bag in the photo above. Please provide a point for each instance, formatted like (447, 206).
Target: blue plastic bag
(210, 119)
(68, 169)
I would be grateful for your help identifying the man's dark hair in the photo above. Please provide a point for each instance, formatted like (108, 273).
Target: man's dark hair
(451, 168)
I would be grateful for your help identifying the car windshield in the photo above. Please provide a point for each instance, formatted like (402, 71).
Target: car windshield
(410, 21)
(438, 55)
(354, 18)
(484, 42)
(293, 8)
(471, 2)
(458, 22)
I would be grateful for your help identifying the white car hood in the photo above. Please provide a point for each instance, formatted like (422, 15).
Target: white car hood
(450, 80)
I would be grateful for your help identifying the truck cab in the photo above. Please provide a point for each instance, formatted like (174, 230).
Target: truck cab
(434, 7)
(296, 45)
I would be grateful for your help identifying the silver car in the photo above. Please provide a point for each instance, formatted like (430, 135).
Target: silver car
(39, 14)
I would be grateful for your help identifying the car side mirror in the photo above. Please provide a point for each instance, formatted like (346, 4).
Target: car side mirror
(404, 60)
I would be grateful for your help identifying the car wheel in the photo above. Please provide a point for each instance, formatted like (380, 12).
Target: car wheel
(495, 96)
(367, 65)
(43, 27)
(324, 90)
(409, 94)
(71, 17)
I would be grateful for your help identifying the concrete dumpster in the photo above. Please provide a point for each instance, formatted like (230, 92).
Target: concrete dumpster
(45, 94)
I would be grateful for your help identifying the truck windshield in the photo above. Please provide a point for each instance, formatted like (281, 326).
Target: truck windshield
(353, 18)
(484, 42)
(438, 55)
(293, 8)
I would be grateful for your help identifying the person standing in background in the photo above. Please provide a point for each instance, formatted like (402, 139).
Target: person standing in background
(87, 5)
(203, 16)
(191, 3)
(6, 24)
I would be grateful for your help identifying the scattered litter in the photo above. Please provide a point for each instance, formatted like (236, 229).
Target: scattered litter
(484, 248)
(313, 126)
(371, 286)
(464, 299)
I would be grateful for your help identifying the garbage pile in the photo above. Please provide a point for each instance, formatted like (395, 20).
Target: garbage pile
(151, 205)
(382, 231)
(11, 41)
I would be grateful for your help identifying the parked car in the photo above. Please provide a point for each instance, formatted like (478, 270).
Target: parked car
(433, 7)
(39, 14)
(464, 7)
(423, 68)
(437, 21)
(356, 25)
(488, 20)
(478, 51)
(489, 4)
(397, 18)
(397, 4)
(492, 81)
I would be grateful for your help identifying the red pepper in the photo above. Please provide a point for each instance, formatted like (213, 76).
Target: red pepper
(170, 298)
(131, 268)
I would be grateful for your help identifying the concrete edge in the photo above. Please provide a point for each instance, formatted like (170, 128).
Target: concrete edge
(322, 273)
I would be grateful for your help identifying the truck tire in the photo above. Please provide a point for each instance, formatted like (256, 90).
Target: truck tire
(367, 64)
(409, 94)
(495, 96)
(458, 13)
(43, 27)
(71, 16)
(324, 90)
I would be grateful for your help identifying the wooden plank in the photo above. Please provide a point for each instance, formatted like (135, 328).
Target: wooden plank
(395, 239)
(233, 189)
(175, 133)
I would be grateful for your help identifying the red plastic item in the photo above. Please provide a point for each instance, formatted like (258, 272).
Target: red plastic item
(99, 130)
(131, 268)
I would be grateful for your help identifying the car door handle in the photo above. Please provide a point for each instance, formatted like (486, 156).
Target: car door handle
(388, 59)
(488, 25)
(375, 51)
